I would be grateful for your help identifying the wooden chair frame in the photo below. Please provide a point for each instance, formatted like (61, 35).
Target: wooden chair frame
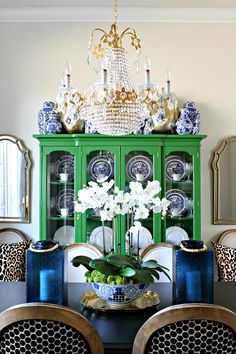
(21, 235)
(182, 312)
(224, 235)
(51, 312)
(88, 245)
(159, 246)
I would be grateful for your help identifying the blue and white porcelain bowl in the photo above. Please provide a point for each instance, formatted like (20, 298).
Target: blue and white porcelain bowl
(119, 294)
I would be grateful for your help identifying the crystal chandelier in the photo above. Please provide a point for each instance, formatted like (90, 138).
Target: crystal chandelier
(113, 105)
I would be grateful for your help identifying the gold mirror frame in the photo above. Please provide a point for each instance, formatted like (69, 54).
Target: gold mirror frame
(27, 177)
(217, 219)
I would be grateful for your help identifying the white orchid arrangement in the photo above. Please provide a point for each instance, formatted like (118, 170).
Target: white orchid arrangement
(110, 201)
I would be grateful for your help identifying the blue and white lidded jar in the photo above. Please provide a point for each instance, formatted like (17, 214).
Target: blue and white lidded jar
(193, 115)
(189, 120)
(48, 119)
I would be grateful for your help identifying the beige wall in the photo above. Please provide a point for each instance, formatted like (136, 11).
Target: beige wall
(201, 57)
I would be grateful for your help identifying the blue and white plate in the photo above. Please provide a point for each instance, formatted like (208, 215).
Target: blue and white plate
(65, 164)
(175, 164)
(65, 199)
(139, 165)
(101, 165)
(178, 200)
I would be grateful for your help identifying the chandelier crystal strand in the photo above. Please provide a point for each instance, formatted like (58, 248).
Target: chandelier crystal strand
(121, 111)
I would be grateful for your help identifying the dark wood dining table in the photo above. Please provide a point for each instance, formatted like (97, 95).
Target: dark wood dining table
(116, 328)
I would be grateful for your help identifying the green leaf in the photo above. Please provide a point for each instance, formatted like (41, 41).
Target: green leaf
(143, 276)
(153, 272)
(104, 267)
(95, 261)
(149, 264)
(123, 260)
(161, 266)
(161, 270)
(127, 272)
(82, 260)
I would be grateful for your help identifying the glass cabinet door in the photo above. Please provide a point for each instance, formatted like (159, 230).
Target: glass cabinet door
(140, 164)
(58, 196)
(182, 189)
(99, 164)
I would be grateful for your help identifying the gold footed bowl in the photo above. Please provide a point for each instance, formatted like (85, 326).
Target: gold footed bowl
(147, 300)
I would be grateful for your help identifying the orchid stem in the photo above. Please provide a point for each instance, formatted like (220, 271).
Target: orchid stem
(113, 235)
(128, 232)
(138, 248)
(103, 238)
(132, 223)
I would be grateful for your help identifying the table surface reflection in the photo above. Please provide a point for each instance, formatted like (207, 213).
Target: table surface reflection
(117, 329)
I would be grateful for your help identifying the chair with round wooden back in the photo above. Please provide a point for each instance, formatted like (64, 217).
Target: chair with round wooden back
(13, 246)
(163, 253)
(225, 255)
(228, 238)
(188, 329)
(10, 235)
(47, 328)
(77, 274)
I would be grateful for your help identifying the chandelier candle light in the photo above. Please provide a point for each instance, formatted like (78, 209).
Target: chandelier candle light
(112, 105)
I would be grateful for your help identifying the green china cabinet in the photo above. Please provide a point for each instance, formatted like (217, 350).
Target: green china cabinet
(70, 161)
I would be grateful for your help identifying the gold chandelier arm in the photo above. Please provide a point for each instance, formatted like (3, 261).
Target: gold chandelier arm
(92, 34)
(98, 29)
(102, 38)
(127, 31)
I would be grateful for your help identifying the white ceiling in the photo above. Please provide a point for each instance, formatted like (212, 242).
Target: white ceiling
(159, 11)
(121, 3)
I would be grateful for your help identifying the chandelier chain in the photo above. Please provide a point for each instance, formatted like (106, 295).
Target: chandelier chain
(115, 11)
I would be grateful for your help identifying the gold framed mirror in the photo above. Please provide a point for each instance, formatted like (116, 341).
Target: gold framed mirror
(224, 182)
(15, 176)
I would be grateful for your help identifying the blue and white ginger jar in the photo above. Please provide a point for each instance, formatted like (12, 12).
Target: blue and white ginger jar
(48, 119)
(189, 120)
(194, 116)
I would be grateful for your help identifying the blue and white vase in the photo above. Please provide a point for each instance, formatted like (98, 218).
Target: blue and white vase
(184, 125)
(146, 128)
(89, 129)
(194, 116)
(189, 120)
(48, 119)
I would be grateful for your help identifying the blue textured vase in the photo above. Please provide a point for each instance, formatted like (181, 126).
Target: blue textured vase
(194, 277)
(48, 119)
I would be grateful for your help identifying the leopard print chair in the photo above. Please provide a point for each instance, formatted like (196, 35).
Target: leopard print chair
(47, 329)
(188, 329)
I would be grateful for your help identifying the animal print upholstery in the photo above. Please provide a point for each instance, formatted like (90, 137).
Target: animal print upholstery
(226, 261)
(12, 261)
